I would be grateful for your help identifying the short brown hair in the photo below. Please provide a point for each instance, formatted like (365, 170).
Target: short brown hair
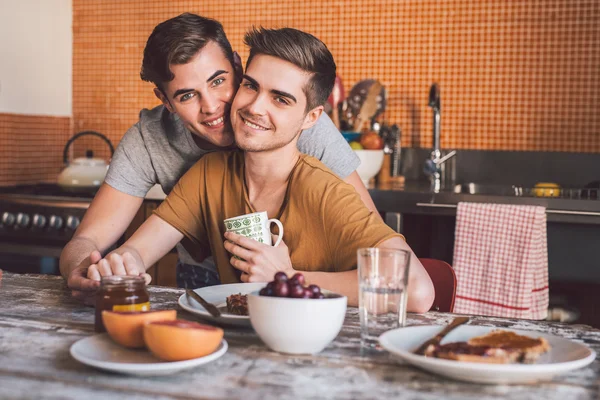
(301, 49)
(176, 41)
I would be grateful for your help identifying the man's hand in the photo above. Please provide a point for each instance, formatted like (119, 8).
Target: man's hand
(259, 262)
(117, 264)
(81, 287)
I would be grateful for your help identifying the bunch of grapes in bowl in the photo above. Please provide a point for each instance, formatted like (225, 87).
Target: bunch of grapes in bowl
(294, 287)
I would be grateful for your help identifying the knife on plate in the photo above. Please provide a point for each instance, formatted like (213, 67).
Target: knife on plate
(438, 338)
(211, 308)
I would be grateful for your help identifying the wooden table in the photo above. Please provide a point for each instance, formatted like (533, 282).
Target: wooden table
(39, 321)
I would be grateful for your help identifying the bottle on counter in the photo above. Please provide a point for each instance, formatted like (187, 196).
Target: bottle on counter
(120, 293)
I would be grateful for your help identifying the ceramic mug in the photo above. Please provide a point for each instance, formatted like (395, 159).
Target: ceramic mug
(255, 226)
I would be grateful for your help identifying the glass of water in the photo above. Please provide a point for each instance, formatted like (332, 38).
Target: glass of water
(383, 281)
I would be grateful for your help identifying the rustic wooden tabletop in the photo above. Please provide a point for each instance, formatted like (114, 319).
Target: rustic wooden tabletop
(39, 321)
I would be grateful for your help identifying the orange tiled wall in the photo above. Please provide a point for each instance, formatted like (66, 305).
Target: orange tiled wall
(31, 147)
(518, 75)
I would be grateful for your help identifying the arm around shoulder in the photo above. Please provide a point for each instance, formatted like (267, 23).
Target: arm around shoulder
(106, 219)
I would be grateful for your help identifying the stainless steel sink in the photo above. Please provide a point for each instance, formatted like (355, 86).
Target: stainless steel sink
(487, 189)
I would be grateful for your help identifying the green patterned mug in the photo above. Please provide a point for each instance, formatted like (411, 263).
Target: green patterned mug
(255, 226)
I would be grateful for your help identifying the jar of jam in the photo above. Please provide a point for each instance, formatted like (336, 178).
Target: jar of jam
(120, 293)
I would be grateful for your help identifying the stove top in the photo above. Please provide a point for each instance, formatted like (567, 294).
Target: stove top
(41, 212)
(46, 190)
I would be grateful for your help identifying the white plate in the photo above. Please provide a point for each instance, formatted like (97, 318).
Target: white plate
(218, 295)
(564, 355)
(101, 352)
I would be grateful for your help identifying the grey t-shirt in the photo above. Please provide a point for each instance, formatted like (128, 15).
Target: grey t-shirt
(160, 149)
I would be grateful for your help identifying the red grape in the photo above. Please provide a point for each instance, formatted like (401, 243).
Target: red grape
(281, 289)
(314, 289)
(319, 296)
(280, 277)
(296, 291)
(308, 294)
(298, 277)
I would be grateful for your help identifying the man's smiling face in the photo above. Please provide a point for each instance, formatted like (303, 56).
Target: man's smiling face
(201, 94)
(269, 110)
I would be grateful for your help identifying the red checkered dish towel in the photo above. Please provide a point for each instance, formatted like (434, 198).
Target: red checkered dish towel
(501, 260)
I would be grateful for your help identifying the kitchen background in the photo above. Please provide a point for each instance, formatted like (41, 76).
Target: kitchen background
(519, 75)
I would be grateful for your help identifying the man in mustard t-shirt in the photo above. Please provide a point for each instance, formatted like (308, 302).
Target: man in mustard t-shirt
(289, 75)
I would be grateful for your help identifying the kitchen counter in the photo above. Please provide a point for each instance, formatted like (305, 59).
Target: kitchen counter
(39, 321)
(417, 198)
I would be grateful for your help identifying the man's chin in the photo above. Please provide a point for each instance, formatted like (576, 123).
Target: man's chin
(223, 140)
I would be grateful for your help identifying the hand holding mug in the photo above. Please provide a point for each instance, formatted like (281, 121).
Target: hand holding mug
(257, 261)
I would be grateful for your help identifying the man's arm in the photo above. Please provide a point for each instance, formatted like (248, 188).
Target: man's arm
(325, 142)
(420, 289)
(354, 180)
(107, 218)
(149, 243)
(260, 262)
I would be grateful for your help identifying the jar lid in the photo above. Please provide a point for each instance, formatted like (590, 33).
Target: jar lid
(118, 280)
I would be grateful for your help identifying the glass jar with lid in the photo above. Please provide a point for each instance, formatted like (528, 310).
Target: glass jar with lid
(120, 293)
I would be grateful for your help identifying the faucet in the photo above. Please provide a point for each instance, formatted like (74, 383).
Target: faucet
(434, 165)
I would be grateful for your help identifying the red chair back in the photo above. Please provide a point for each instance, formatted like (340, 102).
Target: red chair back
(444, 282)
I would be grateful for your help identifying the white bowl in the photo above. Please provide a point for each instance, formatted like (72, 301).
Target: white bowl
(297, 326)
(370, 164)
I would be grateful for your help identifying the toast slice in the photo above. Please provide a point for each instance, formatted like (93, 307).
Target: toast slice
(521, 348)
(496, 347)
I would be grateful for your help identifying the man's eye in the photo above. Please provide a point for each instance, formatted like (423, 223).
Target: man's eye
(186, 96)
(281, 100)
(249, 85)
(218, 81)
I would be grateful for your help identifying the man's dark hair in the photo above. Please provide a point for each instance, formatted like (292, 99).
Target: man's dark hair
(301, 49)
(176, 41)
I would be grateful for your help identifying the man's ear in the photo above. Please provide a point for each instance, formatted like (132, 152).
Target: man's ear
(312, 117)
(161, 96)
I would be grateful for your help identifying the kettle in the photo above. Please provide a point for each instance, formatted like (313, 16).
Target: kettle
(84, 174)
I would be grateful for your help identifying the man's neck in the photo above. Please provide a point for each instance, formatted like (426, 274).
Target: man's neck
(267, 175)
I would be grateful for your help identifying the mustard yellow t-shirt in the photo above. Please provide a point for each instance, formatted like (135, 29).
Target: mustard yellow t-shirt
(324, 219)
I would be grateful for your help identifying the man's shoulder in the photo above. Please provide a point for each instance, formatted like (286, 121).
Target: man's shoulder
(316, 174)
(150, 125)
(149, 115)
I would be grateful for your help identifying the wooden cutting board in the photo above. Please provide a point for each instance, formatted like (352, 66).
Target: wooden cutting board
(368, 108)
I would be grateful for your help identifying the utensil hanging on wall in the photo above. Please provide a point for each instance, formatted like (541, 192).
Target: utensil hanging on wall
(335, 99)
(369, 94)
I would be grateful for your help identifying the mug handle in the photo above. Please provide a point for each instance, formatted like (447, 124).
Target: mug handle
(280, 226)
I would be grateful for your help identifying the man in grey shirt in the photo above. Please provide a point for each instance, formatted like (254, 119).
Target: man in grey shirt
(192, 64)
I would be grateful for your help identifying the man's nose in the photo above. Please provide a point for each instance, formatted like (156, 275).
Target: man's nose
(257, 106)
(209, 104)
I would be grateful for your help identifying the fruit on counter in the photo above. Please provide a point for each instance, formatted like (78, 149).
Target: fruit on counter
(546, 189)
(371, 141)
(282, 286)
(356, 146)
(127, 328)
(179, 339)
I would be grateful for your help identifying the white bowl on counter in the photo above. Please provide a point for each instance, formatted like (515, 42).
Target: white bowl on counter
(370, 164)
(297, 326)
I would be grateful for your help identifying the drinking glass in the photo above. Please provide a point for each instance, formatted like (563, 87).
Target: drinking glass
(383, 281)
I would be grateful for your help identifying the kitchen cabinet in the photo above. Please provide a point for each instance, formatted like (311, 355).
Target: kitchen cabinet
(163, 271)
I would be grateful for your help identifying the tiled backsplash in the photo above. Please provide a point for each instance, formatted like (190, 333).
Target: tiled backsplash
(519, 75)
(31, 147)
